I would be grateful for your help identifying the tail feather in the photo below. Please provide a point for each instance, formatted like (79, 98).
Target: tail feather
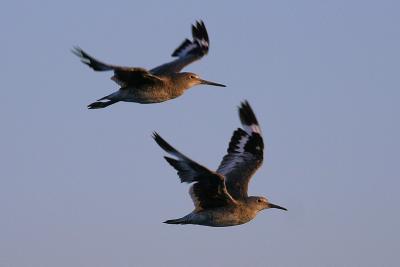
(177, 221)
(99, 104)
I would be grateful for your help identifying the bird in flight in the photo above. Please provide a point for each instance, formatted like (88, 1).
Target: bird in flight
(159, 84)
(220, 197)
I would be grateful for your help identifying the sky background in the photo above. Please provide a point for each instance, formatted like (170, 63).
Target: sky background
(86, 188)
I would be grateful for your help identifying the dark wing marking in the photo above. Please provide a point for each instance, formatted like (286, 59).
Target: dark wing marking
(124, 76)
(208, 190)
(91, 61)
(198, 46)
(245, 154)
(135, 77)
(188, 52)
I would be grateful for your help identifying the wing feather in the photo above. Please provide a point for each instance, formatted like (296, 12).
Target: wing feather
(124, 76)
(188, 52)
(244, 155)
(209, 189)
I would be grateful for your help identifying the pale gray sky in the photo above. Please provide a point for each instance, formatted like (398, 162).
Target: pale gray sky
(86, 188)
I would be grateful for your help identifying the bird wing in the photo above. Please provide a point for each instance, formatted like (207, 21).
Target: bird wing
(188, 52)
(124, 76)
(245, 154)
(208, 190)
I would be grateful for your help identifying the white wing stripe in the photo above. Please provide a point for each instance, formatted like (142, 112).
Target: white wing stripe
(242, 143)
(203, 43)
(254, 128)
(187, 49)
(230, 165)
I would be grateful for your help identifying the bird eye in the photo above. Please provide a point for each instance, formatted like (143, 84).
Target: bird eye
(192, 77)
(259, 200)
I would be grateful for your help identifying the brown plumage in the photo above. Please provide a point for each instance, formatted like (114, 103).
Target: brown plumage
(159, 84)
(220, 197)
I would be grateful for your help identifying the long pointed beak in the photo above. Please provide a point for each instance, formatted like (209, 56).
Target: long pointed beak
(270, 205)
(211, 83)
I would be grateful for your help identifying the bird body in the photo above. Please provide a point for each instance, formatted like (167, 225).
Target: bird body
(159, 84)
(164, 90)
(220, 197)
(239, 213)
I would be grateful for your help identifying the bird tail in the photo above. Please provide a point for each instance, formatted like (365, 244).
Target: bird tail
(183, 220)
(100, 104)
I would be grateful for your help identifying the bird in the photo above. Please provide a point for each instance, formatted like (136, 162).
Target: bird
(159, 84)
(220, 197)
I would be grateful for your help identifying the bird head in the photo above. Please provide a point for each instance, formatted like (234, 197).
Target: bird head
(192, 79)
(262, 203)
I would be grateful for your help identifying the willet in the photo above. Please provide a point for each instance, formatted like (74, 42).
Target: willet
(160, 84)
(220, 198)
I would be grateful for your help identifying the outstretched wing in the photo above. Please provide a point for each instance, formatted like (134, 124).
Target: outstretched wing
(124, 76)
(208, 190)
(188, 52)
(245, 154)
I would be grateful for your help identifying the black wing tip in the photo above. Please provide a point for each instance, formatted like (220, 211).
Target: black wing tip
(159, 140)
(162, 143)
(154, 135)
(76, 50)
(200, 39)
(246, 114)
(89, 60)
(199, 30)
(200, 23)
(95, 105)
(173, 162)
